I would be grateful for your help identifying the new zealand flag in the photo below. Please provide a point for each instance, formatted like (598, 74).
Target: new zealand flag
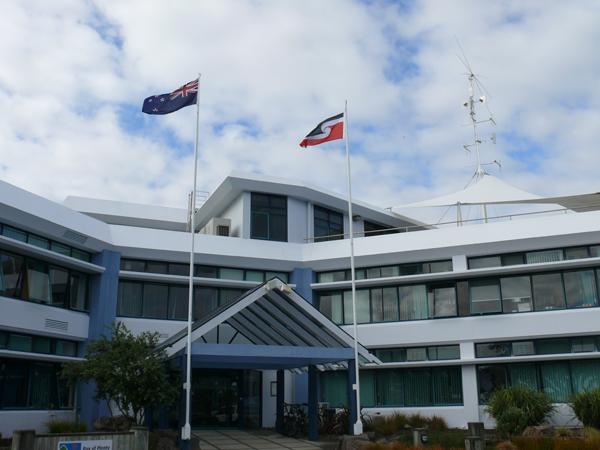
(184, 96)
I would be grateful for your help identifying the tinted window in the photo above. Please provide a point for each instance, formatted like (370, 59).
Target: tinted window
(156, 267)
(133, 265)
(78, 288)
(442, 301)
(179, 269)
(268, 217)
(485, 296)
(548, 291)
(59, 280)
(130, 299)
(485, 261)
(178, 302)
(11, 267)
(206, 300)
(516, 294)
(155, 301)
(329, 225)
(580, 288)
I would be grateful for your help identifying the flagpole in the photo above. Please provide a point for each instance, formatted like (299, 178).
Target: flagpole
(358, 426)
(186, 432)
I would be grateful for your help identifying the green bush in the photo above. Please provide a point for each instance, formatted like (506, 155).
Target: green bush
(518, 407)
(66, 426)
(586, 406)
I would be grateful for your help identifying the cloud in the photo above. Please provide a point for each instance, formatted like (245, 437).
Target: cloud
(75, 74)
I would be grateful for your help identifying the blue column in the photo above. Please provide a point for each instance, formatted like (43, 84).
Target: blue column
(103, 311)
(313, 403)
(352, 412)
(279, 407)
(302, 278)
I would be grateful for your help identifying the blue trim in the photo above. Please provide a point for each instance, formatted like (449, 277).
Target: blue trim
(302, 278)
(103, 309)
(313, 403)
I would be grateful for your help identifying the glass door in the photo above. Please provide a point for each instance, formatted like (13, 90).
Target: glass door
(216, 398)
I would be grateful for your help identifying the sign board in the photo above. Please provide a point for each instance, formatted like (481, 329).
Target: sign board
(85, 445)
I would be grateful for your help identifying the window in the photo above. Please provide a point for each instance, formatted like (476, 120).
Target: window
(229, 295)
(60, 248)
(523, 348)
(576, 253)
(556, 380)
(205, 272)
(485, 296)
(374, 229)
(485, 261)
(179, 269)
(384, 304)
(439, 266)
(552, 346)
(580, 289)
(283, 276)
(391, 354)
(492, 350)
(586, 344)
(489, 379)
(11, 270)
(155, 301)
(38, 241)
(544, 256)
(130, 299)
(413, 302)
(65, 348)
(231, 274)
(411, 269)
(443, 352)
(548, 291)
(20, 342)
(157, 267)
(80, 254)
(516, 294)
(33, 385)
(513, 259)
(132, 265)
(329, 225)
(59, 280)
(206, 300)
(416, 354)
(38, 281)
(78, 291)
(178, 302)
(331, 306)
(442, 301)
(268, 217)
(362, 306)
(41, 345)
(254, 275)
(13, 233)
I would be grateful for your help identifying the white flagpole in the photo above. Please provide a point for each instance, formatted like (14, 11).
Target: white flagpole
(186, 431)
(358, 426)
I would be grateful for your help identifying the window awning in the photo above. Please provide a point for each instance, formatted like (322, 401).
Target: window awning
(280, 329)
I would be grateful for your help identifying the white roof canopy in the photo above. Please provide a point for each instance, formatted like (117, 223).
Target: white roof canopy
(489, 190)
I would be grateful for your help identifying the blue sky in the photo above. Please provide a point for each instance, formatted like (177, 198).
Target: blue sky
(75, 74)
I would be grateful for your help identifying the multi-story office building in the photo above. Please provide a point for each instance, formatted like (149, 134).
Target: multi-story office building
(449, 314)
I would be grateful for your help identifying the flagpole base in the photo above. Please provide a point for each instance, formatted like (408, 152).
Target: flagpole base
(358, 428)
(186, 432)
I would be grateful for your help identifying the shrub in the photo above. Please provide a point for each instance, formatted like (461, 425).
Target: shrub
(518, 407)
(437, 423)
(388, 425)
(66, 426)
(586, 406)
(417, 421)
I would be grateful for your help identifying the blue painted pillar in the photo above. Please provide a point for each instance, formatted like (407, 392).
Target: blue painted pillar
(103, 311)
(302, 277)
(279, 407)
(352, 411)
(313, 403)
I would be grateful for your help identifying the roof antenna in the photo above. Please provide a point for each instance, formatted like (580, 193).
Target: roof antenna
(478, 95)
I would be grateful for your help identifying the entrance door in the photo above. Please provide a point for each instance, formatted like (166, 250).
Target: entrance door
(226, 398)
(216, 398)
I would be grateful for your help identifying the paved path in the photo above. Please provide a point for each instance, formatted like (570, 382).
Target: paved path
(259, 440)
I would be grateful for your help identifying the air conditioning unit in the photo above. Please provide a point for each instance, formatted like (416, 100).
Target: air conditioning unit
(217, 226)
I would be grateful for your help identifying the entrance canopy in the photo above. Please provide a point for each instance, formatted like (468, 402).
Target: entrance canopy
(269, 327)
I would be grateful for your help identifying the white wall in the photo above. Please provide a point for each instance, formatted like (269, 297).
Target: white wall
(30, 420)
(297, 220)
(235, 212)
(29, 317)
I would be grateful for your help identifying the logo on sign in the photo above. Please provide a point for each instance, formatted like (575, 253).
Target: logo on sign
(85, 445)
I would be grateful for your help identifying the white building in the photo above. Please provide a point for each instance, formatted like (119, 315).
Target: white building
(451, 313)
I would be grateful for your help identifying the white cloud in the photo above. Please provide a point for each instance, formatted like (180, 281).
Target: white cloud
(74, 74)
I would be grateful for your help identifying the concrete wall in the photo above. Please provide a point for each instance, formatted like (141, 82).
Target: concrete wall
(235, 212)
(297, 220)
(30, 420)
